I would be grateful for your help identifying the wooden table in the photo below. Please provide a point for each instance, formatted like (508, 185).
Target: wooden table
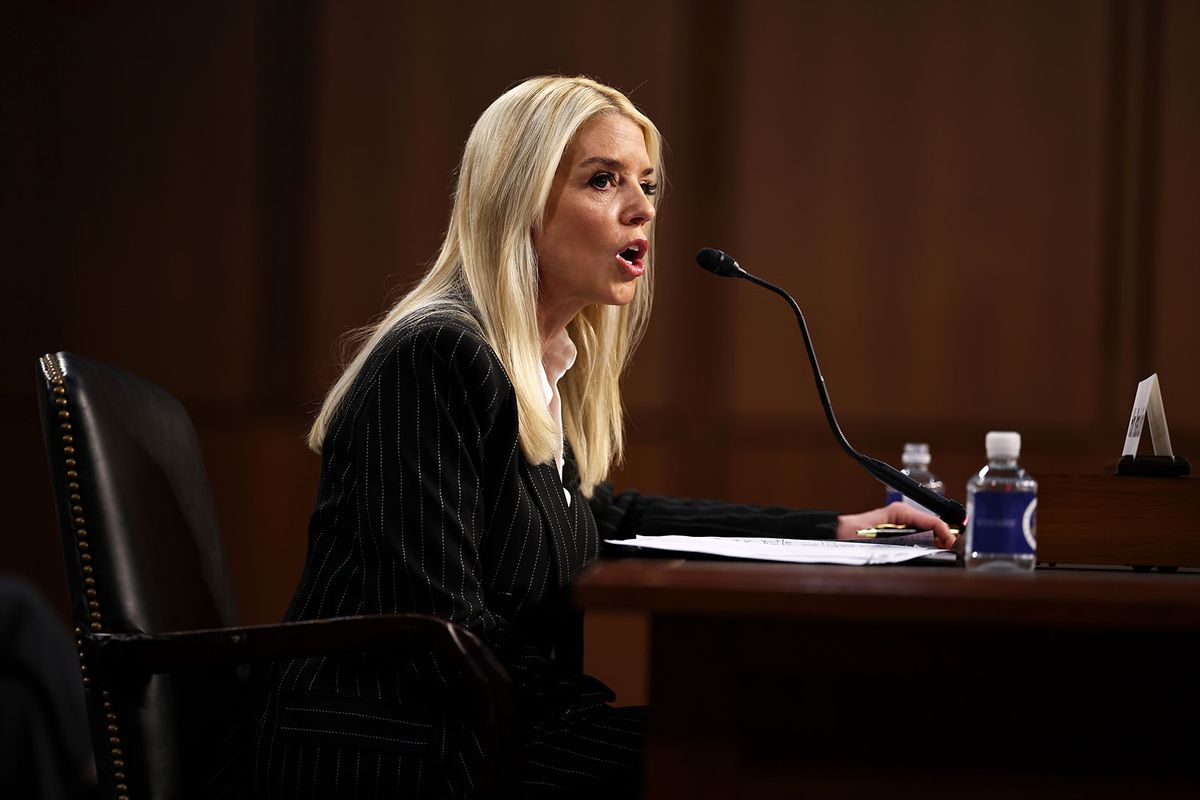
(780, 680)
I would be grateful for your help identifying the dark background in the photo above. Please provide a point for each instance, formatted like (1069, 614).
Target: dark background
(989, 211)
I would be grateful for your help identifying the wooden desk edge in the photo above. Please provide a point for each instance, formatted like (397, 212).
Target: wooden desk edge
(929, 595)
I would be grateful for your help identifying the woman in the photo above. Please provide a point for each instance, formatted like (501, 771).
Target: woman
(464, 451)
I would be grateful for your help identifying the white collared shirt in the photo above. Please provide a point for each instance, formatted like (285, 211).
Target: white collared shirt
(558, 356)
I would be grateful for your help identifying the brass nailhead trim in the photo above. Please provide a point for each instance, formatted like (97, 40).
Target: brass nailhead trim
(76, 508)
(85, 558)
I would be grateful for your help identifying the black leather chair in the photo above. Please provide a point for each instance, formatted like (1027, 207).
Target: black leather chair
(154, 612)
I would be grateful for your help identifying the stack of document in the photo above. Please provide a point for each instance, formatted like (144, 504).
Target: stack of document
(803, 551)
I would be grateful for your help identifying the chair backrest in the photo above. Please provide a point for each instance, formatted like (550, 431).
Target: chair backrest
(144, 555)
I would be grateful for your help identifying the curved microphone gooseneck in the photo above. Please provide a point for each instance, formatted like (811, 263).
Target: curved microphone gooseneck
(950, 511)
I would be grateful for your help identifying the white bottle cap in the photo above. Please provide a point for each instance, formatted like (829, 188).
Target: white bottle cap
(916, 453)
(1003, 444)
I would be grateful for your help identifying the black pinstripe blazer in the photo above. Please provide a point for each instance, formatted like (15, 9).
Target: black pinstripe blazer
(427, 504)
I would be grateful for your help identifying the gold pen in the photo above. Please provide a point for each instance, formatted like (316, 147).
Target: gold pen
(886, 530)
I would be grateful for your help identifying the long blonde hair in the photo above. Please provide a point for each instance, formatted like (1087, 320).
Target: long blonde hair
(486, 273)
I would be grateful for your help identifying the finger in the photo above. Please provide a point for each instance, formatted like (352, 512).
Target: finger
(908, 515)
(942, 535)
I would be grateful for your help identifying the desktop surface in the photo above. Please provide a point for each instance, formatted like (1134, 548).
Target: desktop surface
(782, 680)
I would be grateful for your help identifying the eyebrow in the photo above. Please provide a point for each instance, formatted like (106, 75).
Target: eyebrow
(614, 164)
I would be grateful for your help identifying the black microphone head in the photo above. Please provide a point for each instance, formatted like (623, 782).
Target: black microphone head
(718, 262)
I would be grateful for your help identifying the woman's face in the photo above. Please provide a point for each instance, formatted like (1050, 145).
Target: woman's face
(592, 243)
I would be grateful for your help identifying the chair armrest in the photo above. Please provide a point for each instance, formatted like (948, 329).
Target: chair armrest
(153, 653)
(137, 656)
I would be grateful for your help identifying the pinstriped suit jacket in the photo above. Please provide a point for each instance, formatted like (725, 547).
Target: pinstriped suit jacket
(427, 504)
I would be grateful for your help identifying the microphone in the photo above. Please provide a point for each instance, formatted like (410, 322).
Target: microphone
(951, 511)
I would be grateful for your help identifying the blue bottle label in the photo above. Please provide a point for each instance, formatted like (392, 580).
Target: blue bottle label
(1004, 522)
(893, 497)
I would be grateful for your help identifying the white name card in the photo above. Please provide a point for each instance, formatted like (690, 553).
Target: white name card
(1148, 407)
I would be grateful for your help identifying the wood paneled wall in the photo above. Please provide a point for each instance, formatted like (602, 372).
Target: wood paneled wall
(988, 212)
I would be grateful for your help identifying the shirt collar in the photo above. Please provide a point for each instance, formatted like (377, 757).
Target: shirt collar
(558, 356)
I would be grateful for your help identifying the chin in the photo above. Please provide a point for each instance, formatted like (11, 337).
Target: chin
(622, 295)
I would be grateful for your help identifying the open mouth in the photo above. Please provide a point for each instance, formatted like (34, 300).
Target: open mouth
(633, 253)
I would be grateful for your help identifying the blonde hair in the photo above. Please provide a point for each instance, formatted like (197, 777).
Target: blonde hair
(486, 273)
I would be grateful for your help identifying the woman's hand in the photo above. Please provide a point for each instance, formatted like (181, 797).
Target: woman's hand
(898, 514)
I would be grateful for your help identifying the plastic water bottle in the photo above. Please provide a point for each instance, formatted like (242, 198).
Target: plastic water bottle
(916, 460)
(1002, 509)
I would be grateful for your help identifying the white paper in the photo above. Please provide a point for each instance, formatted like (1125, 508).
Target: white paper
(802, 551)
(1148, 406)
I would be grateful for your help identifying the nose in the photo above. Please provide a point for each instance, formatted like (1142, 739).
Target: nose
(638, 210)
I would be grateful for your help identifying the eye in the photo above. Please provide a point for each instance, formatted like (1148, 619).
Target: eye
(602, 180)
(649, 188)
